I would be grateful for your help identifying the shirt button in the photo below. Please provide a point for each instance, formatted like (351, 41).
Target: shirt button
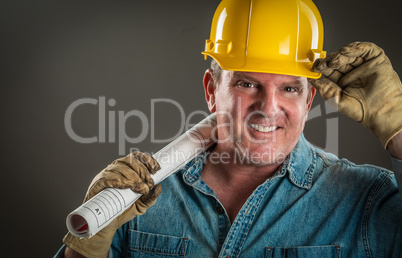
(219, 209)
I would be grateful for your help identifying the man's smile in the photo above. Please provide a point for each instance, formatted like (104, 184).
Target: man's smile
(261, 128)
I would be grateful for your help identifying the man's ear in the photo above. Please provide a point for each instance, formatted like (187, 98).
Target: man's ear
(310, 100)
(209, 88)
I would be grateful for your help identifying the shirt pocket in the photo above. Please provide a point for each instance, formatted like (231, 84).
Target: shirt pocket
(327, 251)
(142, 244)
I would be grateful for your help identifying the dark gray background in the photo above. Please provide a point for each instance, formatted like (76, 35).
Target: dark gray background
(57, 52)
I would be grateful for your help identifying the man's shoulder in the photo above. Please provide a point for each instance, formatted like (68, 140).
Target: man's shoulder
(342, 167)
(185, 176)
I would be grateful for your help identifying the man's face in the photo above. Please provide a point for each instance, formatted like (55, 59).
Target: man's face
(260, 116)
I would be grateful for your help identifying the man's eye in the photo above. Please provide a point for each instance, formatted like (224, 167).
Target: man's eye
(289, 89)
(247, 84)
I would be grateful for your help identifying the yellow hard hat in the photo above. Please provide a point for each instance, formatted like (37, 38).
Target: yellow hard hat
(270, 36)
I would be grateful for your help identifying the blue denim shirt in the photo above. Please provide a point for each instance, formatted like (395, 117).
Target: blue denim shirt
(316, 206)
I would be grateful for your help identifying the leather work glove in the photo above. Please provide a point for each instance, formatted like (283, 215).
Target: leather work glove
(360, 82)
(132, 171)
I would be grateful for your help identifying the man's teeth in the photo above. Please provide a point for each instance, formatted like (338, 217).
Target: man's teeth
(264, 129)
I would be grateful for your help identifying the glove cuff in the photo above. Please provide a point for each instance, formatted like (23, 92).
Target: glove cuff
(385, 140)
(95, 246)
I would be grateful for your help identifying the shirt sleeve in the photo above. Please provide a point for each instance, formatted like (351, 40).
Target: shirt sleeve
(397, 168)
(381, 219)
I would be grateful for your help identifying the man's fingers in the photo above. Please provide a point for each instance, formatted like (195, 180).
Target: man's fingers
(141, 205)
(339, 64)
(152, 195)
(344, 101)
(104, 183)
(340, 61)
(131, 173)
(365, 50)
(147, 160)
(326, 88)
(322, 66)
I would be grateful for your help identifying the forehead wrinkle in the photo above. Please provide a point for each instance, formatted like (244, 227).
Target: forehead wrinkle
(298, 81)
(242, 75)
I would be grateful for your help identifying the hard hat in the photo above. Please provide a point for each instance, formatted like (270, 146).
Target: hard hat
(270, 36)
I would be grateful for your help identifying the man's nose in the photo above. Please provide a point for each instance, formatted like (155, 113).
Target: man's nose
(269, 103)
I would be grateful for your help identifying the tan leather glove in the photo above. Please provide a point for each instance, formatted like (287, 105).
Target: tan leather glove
(360, 82)
(132, 171)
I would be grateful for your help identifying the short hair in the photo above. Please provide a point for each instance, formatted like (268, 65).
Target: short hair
(216, 70)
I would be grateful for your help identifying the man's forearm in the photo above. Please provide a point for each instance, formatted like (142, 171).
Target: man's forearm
(70, 253)
(395, 149)
(395, 146)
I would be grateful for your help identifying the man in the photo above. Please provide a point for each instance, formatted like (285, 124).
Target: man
(273, 194)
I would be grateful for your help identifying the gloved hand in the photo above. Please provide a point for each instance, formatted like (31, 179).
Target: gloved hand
(132, 171)
(361, 83)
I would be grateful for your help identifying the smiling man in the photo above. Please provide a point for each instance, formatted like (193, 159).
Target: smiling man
(266, 112)
(274, 194)
(264, 116)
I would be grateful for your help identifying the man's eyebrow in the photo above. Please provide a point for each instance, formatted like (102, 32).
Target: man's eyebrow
(241, 75)
(295, 82)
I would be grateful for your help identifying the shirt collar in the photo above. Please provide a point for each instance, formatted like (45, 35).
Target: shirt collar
(299, 165)
(192, 170)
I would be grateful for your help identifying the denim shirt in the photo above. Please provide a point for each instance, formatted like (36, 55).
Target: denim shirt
(316, 206)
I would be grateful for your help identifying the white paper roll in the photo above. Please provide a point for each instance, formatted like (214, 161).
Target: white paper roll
(98, 212)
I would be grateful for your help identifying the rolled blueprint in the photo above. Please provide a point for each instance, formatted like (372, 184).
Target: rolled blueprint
(103, 208)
